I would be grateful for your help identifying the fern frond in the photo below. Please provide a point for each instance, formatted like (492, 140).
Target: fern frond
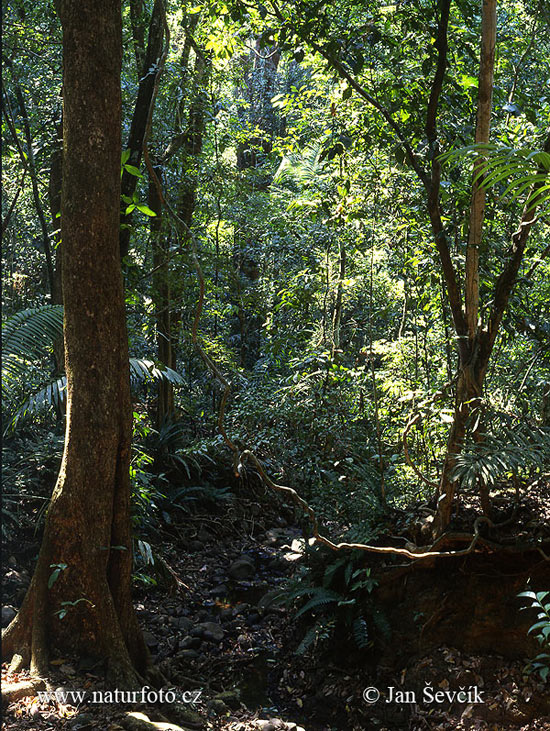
(360, 633)
(27, 335)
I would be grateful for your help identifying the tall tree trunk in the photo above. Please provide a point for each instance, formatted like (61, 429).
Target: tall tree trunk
(87, 540)
(163, 301)
(54, 199)
(33, 173)
(148, 76)
(472, 362)
(338, 305)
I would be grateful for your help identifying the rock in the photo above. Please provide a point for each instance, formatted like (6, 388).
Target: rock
(136, 721)
(8, 613)
(298, 545)
(188, 654)
(195, 546)
(277, 564)
(186, 716)
(219, 591)
(204, 536)
(226, 614)
(183, 623)
(212, 631)
(218, 707)
(293, 557)
(252, 619)
(272, 725)
(244, 641)
(230, 698)
(268, 599)
(241, 608)
(274, 536)
(197, 631)
(242, 568)
(190, 642)
(150, 639)
(82, 722)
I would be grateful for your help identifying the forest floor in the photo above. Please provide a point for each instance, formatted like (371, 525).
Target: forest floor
(229, 653)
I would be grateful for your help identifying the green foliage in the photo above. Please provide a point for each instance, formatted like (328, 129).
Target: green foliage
(339, 601)
(325, 305)
(522, 167)
(516, 449)
(27, 337)
(541, 630)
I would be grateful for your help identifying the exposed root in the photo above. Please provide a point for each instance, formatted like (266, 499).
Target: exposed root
(15, 691)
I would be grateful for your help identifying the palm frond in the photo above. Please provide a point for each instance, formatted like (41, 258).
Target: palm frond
(303, 168)
(27, 335)
(142, 370)
(522, 167)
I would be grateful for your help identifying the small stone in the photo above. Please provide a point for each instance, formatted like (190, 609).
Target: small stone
(226, 614)
(244, 641)
(204, 536)
(188, 642)
(212, 631)
(242, 568)
(219, 591)
(82, 722)
(242, 608)
(150, 639)
(188, 654)
(218, 707)
(268, 599)
(230, 698)
(184, 624)
(8, 613)
(274, 536)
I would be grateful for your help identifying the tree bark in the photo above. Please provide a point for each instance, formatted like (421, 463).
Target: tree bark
(483, 128)
(88, 608)
(163, 302)
(54, 198)
(141, 112)
(473, 360)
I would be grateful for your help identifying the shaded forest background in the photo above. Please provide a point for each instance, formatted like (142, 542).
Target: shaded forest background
(300, 199)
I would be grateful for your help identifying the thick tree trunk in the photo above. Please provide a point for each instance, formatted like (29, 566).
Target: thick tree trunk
(88, 608)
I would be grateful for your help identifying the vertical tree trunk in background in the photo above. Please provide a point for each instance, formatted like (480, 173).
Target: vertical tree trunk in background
(338, 305)
(147, 78)
(483, 128)
(163, 302)
(87, 532)
(472, 363)
(54, 199)
(257, 114)
(33, 173)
